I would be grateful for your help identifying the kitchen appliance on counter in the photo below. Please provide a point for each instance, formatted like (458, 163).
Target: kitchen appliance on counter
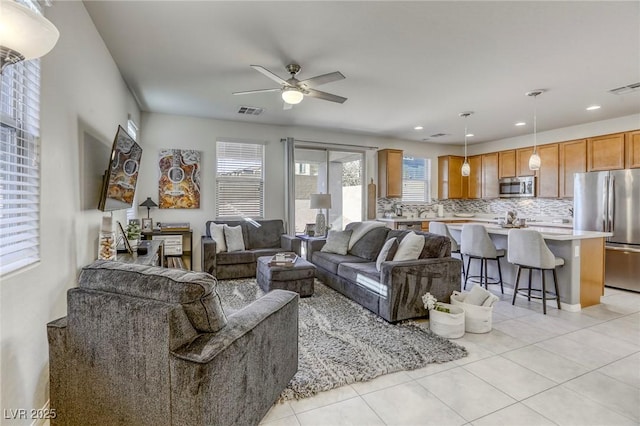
(610, 202)
(524, 186)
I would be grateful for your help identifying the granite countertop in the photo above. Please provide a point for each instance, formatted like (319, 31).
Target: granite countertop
(480, 217)
(549, 233)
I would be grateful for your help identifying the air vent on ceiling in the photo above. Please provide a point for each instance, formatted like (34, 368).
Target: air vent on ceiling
(247, 110)
(625, 89)
(438, 135)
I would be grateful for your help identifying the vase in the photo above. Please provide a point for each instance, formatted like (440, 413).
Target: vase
(447, 324)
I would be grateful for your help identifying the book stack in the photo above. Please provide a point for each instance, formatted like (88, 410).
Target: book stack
(175, 226)
(286, 259)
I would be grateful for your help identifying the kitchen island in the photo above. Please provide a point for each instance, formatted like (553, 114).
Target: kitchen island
(580, 280)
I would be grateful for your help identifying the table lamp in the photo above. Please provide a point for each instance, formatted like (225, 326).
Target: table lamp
(320, 201)
(148, 203)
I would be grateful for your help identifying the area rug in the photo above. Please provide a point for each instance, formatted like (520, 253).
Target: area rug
(340, 342)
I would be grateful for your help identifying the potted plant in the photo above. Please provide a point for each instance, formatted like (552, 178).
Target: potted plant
(444, 319)
(133, 232)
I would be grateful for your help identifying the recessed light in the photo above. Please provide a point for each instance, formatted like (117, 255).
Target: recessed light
(418, 128)
(593, 107)
(521, 123)
(470, 135)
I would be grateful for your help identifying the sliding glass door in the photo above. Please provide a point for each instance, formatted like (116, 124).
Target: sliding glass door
(339, 173)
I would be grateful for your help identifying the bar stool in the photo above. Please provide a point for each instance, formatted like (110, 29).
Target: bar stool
(441, 228)
(476, 244)
(527, 250)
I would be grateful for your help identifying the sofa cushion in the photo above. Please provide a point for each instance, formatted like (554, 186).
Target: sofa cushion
(233, 236)
(350, 270)
(368, 246)
(337, 242)
(360, 229)
(435, 246)
(410, 247)
(216, 231)
(264, 233)
(195, 291)
(387, 252)
(230, 258)
(330, 261)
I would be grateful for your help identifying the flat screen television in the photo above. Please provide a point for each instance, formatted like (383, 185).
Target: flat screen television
(119, 181)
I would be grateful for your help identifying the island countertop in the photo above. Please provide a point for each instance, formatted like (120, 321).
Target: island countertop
(548, 233)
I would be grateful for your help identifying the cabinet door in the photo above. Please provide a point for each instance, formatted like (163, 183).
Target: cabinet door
(522, 161)
(490, 175)
(605, 152)
(633, 149)
(475, 177)
(572, 159)
(390, 173)
(457, 182)
(547, 183)
(507, 163)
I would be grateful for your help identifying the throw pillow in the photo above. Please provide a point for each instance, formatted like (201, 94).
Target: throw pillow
(410, 247)
(477, 296)
(387, 252)
(217, 234)
(233, 238)
(337, 242)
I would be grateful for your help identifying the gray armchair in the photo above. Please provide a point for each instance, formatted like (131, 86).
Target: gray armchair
(152, 346)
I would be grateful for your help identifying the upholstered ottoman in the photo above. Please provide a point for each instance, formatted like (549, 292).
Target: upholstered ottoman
(298, 278)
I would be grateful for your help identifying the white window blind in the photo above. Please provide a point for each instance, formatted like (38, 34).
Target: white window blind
(239, 179)
(416, 179)
(19, 165)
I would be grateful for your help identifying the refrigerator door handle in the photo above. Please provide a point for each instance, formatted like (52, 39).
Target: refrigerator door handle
(605, 210)
(612, 200)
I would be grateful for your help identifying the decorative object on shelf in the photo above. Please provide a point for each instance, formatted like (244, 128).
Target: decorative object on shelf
(133, 234)
(171, 226)
(310, 229)
(319, 202)
(147, 225)
(466, 168)
(107, 241)
(24, 34)
(534, 160)
(148, 203)
(445, 320)
(179, 181)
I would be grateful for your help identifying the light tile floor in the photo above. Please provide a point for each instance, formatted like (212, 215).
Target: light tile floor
(564, 368)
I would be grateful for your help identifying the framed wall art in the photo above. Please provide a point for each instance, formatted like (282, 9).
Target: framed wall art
(179, 180)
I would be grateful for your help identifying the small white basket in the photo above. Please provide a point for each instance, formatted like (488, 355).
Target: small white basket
(447, 324)
(477, 319)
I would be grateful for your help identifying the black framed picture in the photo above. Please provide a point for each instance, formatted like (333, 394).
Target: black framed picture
(147, 225)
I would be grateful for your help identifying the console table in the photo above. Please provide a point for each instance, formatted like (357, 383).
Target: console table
(178, 246)
(154, 256)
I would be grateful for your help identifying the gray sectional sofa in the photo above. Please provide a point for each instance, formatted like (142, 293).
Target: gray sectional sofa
(395, 292)
(261, 238)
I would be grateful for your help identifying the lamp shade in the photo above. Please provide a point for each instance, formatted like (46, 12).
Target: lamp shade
(466, 169)
(320, 201)
(24, 34)
(148, 203)
(292, 96)
(534, 161)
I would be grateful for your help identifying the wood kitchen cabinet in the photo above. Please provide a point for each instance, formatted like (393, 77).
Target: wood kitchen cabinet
(451, 183)
(507, 163)
(475, 177)
(633, 149)
(572, 159)
(489, 179)
(522, 161)
(390, 173)
(606, 152)
(547, 176)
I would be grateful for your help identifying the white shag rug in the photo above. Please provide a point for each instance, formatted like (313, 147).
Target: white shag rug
(340, 342)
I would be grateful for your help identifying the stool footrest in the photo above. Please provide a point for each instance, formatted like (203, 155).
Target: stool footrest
(525, 292)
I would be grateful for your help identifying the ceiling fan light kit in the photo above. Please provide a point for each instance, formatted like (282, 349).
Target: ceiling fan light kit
(534, 161)
(292, 96)
(466, 168)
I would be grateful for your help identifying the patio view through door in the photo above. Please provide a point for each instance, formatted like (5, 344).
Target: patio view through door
(339, 173)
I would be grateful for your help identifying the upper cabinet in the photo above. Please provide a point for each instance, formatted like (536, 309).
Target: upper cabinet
(547, 176)
(572, 159)
(475, 177)
(451, 183)
(522, 161)
(605, 152)
(633, 149)
(490, 175)
(390, 173)
(507, 163)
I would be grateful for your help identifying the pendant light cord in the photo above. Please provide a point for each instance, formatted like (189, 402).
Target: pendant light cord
(535, 125)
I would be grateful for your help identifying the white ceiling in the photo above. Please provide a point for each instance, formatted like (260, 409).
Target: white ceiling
(406, 63)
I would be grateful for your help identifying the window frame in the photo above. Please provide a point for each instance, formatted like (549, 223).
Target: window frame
(427, 179)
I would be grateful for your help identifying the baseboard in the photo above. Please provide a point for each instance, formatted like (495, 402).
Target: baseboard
(42, 420)
(576, 307)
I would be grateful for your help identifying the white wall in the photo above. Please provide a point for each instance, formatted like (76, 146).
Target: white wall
(82, 91)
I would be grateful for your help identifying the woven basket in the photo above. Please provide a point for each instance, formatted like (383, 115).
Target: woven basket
(447, 324)
(477, 319)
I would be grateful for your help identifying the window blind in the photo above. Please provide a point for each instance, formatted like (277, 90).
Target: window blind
(239, 179)
(416, 182)
(19, 165)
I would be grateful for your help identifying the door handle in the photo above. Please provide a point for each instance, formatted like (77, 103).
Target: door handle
(605, 210)
(612, 200)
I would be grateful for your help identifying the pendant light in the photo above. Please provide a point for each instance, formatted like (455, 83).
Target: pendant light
(466, 168)
(534, 160)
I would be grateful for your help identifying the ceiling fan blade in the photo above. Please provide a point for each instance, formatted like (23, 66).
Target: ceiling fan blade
(322, 79)
(324, 95)
(249, 92)
(287, 106)
(269, 74)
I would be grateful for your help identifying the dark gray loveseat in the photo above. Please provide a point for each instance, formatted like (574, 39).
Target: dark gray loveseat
(261, 238)
(395, 292)
(144, 345)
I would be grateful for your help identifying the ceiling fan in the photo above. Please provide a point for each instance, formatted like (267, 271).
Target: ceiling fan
(294, 90)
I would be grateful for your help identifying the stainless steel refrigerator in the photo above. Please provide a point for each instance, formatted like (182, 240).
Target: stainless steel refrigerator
(610, 202)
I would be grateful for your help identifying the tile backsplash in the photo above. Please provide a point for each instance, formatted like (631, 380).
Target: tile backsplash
(531, 207)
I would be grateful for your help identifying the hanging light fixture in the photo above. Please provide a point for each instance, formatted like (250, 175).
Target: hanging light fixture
(466, 168)
(292, 96)
(534, 160)
(24, 34)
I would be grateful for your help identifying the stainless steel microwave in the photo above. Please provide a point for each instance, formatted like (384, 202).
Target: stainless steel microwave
(517, 187)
